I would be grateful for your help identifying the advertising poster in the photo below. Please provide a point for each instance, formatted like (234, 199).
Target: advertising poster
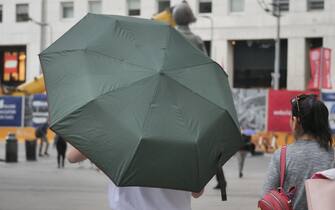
(11, 111)
(250, 107)
(328, 98)
(10, 63)
(36, 110)
(279, 109)
(326, 72)
(320, 62)
(39, 110)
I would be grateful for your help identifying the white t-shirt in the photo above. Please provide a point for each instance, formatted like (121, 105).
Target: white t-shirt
(145, 198)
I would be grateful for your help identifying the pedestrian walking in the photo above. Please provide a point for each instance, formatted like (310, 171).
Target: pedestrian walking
(146, 198)
(41, 133)
(61, 147)
(311, 152)
(241, 155)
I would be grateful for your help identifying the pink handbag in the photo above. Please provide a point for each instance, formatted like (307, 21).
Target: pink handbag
(320, 190)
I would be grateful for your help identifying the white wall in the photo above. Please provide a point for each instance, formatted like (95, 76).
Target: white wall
(23, 33)
(253, 23)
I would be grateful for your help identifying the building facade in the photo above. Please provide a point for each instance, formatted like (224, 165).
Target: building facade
(238, 33)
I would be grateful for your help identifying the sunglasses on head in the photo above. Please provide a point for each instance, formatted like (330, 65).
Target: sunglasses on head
(301, 97)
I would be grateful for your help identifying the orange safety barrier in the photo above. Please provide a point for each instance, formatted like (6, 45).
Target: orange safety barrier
(266, 141)
(22, 133)
(269, 142)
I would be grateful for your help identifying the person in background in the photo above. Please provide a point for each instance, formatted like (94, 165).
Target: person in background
(61, 147)
(242, 153)
(41, 133)
(311, 152)
(135, 198)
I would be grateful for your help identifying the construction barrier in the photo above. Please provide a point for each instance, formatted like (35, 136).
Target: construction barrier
(23, 133)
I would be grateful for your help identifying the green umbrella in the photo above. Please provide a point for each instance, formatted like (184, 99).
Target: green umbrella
(137, 99)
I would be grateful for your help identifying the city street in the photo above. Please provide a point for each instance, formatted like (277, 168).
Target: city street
(40, 185)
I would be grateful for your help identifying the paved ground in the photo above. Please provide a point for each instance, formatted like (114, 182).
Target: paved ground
(39, 185)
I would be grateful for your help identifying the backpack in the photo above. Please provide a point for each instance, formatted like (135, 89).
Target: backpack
(277, 199)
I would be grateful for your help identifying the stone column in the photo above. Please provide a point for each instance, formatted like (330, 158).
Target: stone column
(296, 64)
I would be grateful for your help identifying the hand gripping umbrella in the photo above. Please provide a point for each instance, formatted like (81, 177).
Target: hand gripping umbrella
(137, 99)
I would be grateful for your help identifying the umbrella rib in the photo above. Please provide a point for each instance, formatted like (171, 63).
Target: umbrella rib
(90, 101)
(120, 59)
(168, 38)
(186, 67)
(149, 108)
(195, 93)
(143, 127)
(198, 163)
(99, 53)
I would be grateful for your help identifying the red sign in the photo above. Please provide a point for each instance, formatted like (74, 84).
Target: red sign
(326, 75)
(10, 64)
(320, 68)
(279, 109)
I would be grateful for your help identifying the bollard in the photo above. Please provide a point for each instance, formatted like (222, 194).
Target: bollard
(30, 149)
(11, 148)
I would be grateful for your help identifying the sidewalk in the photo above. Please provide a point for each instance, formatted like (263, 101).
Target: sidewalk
(40, 185)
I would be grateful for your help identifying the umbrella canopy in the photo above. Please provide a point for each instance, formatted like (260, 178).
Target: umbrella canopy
(137, 99)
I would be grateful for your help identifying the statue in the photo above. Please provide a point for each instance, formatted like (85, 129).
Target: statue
(183, 16)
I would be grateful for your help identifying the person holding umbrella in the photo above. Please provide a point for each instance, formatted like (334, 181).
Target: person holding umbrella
(134, 198)
(133, 96)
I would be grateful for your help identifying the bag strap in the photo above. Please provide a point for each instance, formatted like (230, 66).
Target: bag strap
(282, 166)
(221, 179)
(222, 183)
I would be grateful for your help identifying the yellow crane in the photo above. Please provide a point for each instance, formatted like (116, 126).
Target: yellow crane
(32, 87)
(165, 16)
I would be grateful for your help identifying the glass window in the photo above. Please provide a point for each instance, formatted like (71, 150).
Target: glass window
(205, 6)
(134, 7)
(236, 5)
(13, 70)
(67, 10)
(208, 46)
(94, 7)
(254, 61)
(0, 13)
(163, 4)
(316, 4)
(284, 5)
(22, 12)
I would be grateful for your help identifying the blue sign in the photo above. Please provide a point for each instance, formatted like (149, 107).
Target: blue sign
(39, 110)
(11, 111)
(329, 99)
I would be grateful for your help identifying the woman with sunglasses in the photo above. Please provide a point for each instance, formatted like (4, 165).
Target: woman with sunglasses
(311, 152)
